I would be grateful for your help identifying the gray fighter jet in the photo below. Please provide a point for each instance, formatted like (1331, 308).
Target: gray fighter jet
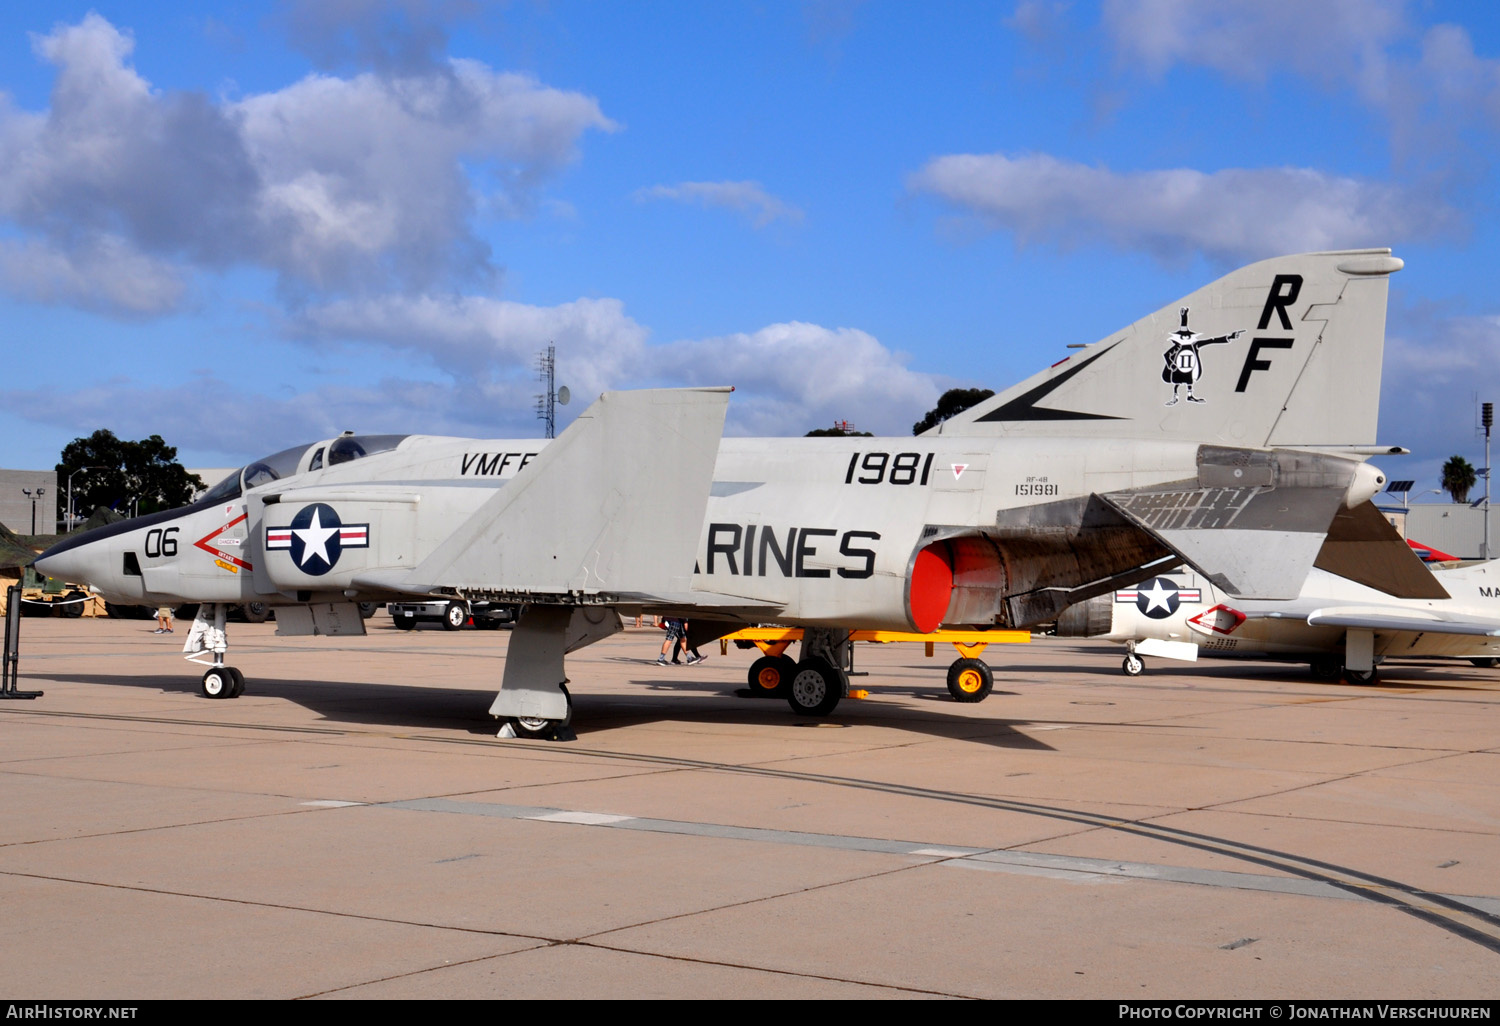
(1079, 480)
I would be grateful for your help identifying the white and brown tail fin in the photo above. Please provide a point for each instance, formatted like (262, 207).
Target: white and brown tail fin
(1282, 353)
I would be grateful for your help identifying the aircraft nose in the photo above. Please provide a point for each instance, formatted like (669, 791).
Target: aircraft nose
(68, 562)
(59, 566)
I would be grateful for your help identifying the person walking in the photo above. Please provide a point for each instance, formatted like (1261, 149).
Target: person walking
(693, 655)
(675, 634)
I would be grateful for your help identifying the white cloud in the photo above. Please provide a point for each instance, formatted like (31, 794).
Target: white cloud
(101, 273)
(332, 183)
(1428, 82)
(748, 198)
(1041, 21)
(1232, 215)
(1437, 367)
(1250, 38)
(790, 378)
(254, 425)
(475, 338)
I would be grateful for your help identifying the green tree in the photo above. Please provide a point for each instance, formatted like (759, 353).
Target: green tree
(836, 432)
(128, 477)
(1458, 478)
(951, 404)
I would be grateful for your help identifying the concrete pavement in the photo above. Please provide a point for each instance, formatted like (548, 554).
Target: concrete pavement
(352, 828)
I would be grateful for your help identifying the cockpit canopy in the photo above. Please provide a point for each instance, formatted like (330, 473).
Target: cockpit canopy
(297, 460)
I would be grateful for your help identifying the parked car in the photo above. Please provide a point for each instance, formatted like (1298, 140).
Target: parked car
(452, 615)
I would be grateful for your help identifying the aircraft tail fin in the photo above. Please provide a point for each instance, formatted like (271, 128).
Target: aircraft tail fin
(1281, 353)
(614, 505)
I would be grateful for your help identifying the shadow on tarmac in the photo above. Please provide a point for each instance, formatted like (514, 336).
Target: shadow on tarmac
(362, 703)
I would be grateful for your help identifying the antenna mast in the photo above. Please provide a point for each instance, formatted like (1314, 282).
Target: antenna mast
(546, 405)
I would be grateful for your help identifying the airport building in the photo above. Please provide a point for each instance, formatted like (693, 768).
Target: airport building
(27, 492)
(1453, 527)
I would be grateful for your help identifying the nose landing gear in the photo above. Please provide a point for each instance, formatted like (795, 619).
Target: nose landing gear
(206, 641)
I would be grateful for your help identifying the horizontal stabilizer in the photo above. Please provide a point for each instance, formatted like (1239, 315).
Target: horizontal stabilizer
(614, 505)
(1363, 547)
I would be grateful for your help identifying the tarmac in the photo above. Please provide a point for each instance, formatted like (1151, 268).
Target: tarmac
(352, 828)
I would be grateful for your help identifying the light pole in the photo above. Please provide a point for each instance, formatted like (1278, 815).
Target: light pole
(33, 497)
(80, 470)
(1487, 417)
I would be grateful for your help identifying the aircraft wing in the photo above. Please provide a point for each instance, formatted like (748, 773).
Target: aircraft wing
(1382, 621)
(609, 513)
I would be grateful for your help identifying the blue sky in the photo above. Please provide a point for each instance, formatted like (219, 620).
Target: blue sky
(247, 226)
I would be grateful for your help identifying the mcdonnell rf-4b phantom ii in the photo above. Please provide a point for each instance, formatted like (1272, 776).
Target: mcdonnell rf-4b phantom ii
(1224, 432)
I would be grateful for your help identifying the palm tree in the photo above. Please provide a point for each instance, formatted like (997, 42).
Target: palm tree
(1458, 478)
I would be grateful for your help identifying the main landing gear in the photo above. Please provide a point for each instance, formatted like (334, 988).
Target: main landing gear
(538, 728)
(207, 641)
(533, 701)
(814, 686)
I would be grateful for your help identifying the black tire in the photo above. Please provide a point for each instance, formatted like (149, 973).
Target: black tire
(1327, 669)
(1359, 676)
(816, 688)
(239, 681)
(218, 682)
(1133, 665)
(1486, 663)
(970, 680)
(256, 612)
(538, 729)
(405, 621)
(455, 616)
(74, 602)
(770, 676)
(367, 609)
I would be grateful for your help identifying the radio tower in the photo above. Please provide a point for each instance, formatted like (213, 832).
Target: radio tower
(546, 405)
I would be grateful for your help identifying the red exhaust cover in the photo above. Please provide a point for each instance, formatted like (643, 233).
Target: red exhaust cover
(931, 588)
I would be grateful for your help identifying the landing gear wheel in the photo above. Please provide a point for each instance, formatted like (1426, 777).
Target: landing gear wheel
(218, 682)
(816, 688)
(367, 609)
(1327, 669)
(455, 616)
(539, 729)
(970, 680)
(1359, 676)
(406, 622)
(1133, 665)
(256, 612)
(770, 676)
(1486, 664)
(239, 682)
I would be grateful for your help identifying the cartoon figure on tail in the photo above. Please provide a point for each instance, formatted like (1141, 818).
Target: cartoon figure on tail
(1183, 364)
